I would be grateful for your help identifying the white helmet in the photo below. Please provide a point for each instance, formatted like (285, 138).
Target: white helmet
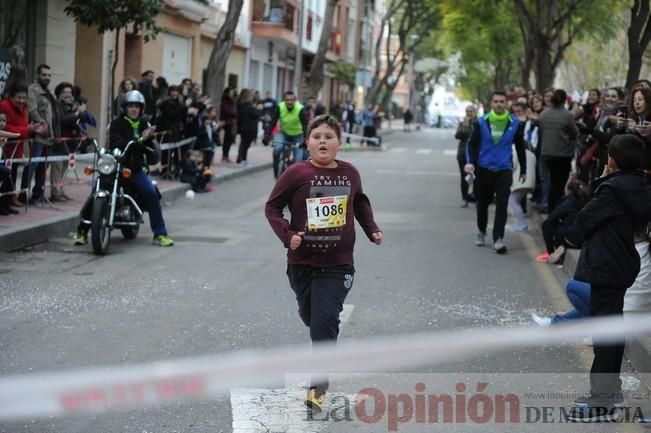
(134, 97)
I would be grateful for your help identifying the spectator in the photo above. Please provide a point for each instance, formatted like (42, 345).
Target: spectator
(609, 262)
(146, 87)
(349, 119)
(126, 85)
(248, 117)
(407, 117)
(15, 107)
(228, 117)
(368, 119)
(587, 144)
(462, 134)
(521, 186)
(531, 136)
(269, 106)
(18, 75)
(161, 89)
(194, 172)
(558, 229)
(611, 122)
(639, 120)
(548, 95)
(557, 134)
(171, 115)
(208, 137)
(6, 186)
(44, 109)
(71, 112)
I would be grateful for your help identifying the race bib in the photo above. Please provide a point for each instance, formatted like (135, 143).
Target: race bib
(326, 212)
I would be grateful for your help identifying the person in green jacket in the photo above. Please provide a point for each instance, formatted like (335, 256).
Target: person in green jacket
(293, 124)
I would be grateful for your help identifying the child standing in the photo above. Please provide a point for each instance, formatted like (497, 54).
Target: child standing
(324, 196)
(619, 206)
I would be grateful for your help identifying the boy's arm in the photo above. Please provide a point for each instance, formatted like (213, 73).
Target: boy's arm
(273, 210)
(595, 212)
(364, 213)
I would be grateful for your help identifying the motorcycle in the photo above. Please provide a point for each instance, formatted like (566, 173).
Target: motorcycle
(113, 204)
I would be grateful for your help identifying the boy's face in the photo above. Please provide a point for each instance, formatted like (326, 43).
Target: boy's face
(3, 121)
(323, 145)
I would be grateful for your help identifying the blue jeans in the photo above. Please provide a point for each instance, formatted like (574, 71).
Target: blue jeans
(578, 293)
(141, 184)
(300, 153)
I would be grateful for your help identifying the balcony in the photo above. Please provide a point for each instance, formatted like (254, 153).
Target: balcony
(275, 19)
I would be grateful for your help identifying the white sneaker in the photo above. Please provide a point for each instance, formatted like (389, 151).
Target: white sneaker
(541, 320)
(481, 239)
(499, 246)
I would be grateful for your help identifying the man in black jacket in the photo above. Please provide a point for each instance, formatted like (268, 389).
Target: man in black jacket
(619, 206)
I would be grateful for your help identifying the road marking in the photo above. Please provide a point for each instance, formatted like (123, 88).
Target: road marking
(397, 150)
(450, 152)
(258, 410)
(423, 151)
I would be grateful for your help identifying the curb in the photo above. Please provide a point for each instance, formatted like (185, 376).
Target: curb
(38, 232)
(638, 350)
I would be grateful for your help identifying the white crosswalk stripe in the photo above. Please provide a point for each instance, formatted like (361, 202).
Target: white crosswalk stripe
(423, 151)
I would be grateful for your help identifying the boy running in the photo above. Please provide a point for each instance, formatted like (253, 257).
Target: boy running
(324, 196)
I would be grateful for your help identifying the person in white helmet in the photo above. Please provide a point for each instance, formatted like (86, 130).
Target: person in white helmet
(122, 130)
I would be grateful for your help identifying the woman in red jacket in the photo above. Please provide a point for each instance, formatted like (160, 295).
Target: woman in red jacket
(18, 122)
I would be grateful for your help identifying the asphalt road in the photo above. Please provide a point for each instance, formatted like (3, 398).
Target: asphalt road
(222, 287)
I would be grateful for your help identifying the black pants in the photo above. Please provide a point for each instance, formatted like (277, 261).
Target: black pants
(489, 183)
(559, 172)
(607, 364)
(246, 138)
(369, 131)
(464, 185)
(320, 293)
(229, 139)
(552, 236)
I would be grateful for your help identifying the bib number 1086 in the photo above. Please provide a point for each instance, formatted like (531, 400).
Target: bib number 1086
(326, 212)
(332, 210)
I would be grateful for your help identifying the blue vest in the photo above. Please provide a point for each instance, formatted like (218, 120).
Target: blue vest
(498, 156)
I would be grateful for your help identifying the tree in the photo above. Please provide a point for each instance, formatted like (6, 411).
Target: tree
(407, 24)
(315, 79)
(346, 73)
(221, 50)
(639, 35)
(549, 27)
(115, 15)
(490, 55)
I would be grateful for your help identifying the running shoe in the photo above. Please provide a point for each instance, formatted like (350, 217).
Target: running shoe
(163, 241)
(80, 239)
(499, 246)
(314, 402)
(542, 258)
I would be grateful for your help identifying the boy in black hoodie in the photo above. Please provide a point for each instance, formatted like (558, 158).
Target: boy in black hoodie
(620, 204)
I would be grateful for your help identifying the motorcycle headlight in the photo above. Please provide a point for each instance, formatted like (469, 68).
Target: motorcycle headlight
(106, 164)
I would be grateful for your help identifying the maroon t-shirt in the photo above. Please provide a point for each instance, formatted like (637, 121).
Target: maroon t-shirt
(323, 246)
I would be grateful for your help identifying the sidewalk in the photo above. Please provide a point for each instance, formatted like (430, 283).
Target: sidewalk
(638, 350)
(40, 222)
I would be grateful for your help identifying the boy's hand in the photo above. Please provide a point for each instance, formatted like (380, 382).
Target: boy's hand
(469, 168)
(296, 240)
(377, 238)
(523, 178)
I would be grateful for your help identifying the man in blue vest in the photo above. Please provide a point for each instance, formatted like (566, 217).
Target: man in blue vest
(489, 156)
(293, 124)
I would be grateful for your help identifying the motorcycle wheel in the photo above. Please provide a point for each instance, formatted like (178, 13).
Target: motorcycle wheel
(100, 230)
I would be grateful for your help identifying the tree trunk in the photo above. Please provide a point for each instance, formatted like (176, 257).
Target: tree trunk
(221, 50)
(527, 64)
(639, 34)
(315, 80)
(543, 69)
